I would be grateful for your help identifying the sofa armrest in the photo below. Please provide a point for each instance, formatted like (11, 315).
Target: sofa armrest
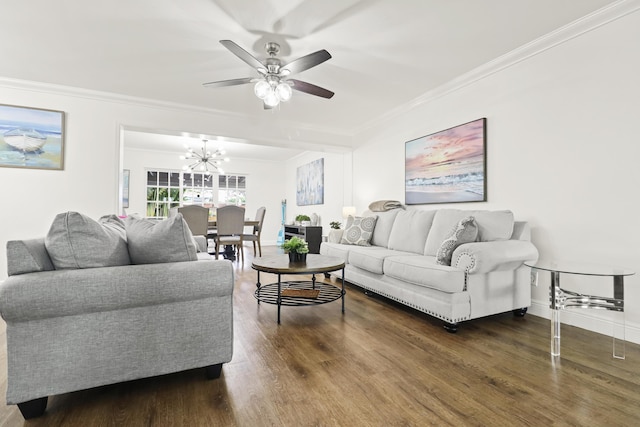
(483, 257)
(201, 243)
(58, 293)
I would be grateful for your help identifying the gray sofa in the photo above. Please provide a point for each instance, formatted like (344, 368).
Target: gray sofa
(485, 277)
(80, 325)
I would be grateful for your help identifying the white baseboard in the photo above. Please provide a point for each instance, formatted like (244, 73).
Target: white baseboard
(586, 319)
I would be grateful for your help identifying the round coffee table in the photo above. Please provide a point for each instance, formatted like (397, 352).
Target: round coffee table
(298, 292)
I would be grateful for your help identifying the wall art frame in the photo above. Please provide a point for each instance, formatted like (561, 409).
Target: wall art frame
(448, 166)
(126, 174)
(310, 183)
(31, 138)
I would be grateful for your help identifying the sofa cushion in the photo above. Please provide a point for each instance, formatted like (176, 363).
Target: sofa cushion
(384, 223)
(492, 225)
(466, 231)
(410, 230)
(423, 270)
(372, 258)
(359, 230)
(336, 250)
(151, 242)
(76, 241)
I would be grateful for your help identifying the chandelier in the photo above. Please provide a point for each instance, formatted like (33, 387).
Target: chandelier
(205, 161)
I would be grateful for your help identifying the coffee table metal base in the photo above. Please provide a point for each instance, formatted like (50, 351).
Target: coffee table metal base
(269, 293)
(272, 293)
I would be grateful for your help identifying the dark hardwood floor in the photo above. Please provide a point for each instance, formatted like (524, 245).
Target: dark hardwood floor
(379, 364)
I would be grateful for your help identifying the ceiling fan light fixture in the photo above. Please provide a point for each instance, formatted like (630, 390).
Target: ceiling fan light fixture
(261, 89)
(271, 99)
(272, 87)
(284, 92)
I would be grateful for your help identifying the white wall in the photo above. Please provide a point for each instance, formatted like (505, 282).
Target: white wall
(563, 154)
(264, 184)
(89, 182)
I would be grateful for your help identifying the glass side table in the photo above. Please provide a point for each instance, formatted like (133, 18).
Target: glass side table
(561, 299)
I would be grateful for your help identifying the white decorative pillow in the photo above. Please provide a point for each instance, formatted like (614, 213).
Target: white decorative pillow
(466, 231)
(152, 242)
(359, 230)
(77, 241)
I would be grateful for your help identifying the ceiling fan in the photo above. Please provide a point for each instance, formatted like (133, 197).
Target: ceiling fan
(274, 84)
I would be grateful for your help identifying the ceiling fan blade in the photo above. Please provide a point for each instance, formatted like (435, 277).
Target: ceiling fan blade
(232, 82)
(243, 54)
(305, 62)
(310, 89)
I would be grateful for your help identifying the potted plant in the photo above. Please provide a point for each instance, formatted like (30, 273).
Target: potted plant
(304, 220)
(335, 234)
(297, 249)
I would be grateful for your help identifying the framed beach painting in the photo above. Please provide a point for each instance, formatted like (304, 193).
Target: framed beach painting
(447, 166)
(31, 138)
(310, 183)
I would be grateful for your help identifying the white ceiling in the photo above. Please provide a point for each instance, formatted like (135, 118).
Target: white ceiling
(385, 52)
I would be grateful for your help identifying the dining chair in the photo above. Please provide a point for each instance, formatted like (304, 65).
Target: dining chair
(230, 226)
(197, 218)
(257, 231)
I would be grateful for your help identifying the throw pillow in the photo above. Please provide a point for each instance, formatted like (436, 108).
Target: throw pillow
(76, 241)
(466, 231)
(153, 242)
(359, 230)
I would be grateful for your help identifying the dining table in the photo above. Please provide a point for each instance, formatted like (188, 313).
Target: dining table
(247, 222)
(228, 249)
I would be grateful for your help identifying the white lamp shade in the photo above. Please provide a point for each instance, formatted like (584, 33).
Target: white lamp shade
(348, 210)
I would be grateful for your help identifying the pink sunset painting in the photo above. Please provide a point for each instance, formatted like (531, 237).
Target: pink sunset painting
(447, 166)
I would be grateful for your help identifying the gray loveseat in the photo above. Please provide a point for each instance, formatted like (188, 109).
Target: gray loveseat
(73, 324)
(486, 276)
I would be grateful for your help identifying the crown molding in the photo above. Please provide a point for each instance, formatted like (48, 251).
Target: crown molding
(90, 94)
(587, 23)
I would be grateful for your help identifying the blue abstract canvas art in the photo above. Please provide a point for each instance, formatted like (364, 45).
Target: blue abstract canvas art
(310, 183)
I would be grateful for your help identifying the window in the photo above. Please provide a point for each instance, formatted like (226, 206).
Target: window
(163, 193)
(169, 189)
(232, 190)
(197, 189)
